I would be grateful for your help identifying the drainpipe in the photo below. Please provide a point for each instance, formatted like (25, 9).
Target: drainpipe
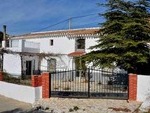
(4, 35)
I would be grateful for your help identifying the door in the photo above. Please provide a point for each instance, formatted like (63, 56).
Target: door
(28, 67)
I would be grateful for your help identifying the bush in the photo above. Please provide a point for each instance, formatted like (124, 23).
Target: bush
(10, 79)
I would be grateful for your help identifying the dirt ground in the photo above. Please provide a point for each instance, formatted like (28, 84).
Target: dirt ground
(8, 105)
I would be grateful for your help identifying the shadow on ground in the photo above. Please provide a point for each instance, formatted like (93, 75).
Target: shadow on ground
(18, 110)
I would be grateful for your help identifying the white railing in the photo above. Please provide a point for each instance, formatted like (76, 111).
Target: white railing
(14, 43)
(23, 46)
(28, 44)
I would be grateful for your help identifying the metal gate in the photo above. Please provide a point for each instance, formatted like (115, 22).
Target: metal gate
(90, 83)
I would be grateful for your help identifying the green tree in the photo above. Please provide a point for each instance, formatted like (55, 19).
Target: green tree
(123, 36)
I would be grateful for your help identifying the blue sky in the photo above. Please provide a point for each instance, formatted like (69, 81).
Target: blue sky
(24, 16)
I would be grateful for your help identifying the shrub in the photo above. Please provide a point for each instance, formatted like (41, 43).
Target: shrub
(10, 79)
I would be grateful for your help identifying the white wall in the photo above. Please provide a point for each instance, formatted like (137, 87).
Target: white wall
(15, 45)
(62, 62)
(19, 92)
(143, 87)
(33, 59)
(31, 47)
(90, 42)
(12, 64)
(62, 45)
(23, 46)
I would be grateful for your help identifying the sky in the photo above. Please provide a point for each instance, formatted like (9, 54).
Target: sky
(25, 16)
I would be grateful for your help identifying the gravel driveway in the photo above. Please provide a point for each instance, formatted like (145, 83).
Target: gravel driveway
(65, 105)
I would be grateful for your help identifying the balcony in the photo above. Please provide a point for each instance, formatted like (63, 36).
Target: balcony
(31, 47)
(23, 46)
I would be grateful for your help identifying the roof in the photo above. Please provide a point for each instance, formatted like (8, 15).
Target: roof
(76, 54)
(71, 33)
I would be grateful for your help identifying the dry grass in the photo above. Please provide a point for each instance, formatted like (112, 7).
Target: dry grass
(66, 87)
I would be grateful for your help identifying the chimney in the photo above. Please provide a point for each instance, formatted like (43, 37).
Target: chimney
(4, 35)
(4, 32)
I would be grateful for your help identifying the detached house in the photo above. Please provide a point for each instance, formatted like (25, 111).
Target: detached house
(47, 51)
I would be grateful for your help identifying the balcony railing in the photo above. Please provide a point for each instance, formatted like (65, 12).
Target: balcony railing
(24, 46)
(28, 44)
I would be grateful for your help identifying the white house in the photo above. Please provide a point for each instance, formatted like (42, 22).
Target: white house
(61, 45)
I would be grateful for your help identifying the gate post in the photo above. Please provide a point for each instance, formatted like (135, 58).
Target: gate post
(36, 80)
(88, 82)
(132, 87)
(46, 85)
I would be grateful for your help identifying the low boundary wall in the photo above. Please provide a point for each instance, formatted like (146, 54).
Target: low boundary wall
(20, 92)
(139, 88)
(143, 87)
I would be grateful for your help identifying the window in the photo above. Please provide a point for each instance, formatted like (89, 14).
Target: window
(51, 42)
(80, 44)
(51, 66)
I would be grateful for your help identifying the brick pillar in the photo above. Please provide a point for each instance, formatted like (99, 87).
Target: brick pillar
(36, 80)
(1, 76)
(46, 85)
(132, 86)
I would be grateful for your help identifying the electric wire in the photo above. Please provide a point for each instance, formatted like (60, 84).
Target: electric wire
(75, 17)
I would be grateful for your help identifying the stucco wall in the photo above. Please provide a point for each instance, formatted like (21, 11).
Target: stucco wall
(62, 62)
(143, 87)
(33, 59)
(19, 92)
(90, 42)
(12, 64)
(62, 45)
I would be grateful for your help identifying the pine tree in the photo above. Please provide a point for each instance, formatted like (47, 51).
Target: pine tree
(123, 36)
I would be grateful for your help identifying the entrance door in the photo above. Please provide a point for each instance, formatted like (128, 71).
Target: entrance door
(28, 67)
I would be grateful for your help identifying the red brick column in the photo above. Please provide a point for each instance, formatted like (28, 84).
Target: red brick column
(1, 76)
(36, 80)
(46, 85)
(132, 86)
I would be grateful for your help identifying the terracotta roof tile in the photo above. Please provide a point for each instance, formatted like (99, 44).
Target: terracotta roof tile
(88, 32)
(76, 54)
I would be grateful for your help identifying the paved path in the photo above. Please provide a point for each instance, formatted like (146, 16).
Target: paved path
(8, 105)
